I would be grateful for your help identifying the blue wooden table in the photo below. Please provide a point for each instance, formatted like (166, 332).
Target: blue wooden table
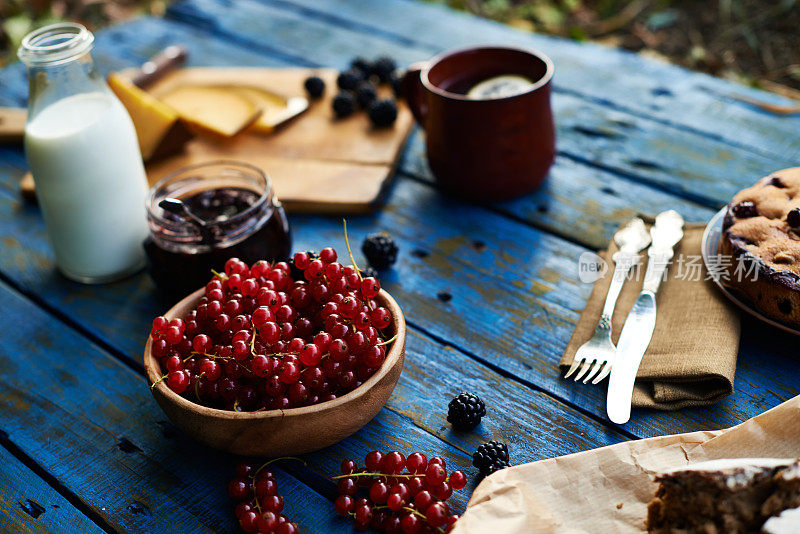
(83, 445)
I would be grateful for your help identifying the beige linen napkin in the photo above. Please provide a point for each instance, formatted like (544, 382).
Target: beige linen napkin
(691, 359)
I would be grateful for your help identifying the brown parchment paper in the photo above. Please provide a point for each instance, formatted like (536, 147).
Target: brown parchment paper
(607, 489)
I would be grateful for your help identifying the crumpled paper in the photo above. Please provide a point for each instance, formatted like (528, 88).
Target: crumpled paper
(607, 489)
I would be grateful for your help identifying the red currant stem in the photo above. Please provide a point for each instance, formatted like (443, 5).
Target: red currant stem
(404, 475)
(196, 382)
(253, 342)
(282, 354)
(265, 464)
(350, 252)
(212, 356)
(387, 341)
(236, 404)
(159, 380)
(220, 275)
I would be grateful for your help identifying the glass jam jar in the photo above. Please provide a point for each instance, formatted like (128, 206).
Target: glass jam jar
(231, 211)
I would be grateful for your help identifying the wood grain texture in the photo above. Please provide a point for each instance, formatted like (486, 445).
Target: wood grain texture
(613, 77)
(28, 505)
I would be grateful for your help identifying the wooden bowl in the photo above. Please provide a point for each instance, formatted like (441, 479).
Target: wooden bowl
(282, 432)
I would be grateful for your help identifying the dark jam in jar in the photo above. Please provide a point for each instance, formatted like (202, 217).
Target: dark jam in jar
(241, 218)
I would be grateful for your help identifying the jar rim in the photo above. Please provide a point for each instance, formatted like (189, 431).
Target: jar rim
(243, 215)
(55, 44)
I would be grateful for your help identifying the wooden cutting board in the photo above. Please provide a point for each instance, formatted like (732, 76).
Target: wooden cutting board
(317, 164)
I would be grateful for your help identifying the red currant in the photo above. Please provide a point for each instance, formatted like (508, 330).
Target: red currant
(327, 255)
(378, 492)
(343, 504)
(370, 287)
(178, 381)
(239, 489)
(458, 480)
(436, 514)
(373, 461)
(301, 260)
(416, 463)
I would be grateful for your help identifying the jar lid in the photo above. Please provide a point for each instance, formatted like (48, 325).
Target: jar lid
(55, 44)
(194, 180)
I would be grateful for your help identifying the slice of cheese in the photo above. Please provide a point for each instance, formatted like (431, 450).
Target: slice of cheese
(275, 109)
(211, 109)
(158, 127)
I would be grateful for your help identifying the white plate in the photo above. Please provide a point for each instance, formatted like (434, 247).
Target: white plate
(708, 248)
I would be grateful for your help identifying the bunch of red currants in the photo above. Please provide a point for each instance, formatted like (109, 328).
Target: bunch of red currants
(403, 495)
(263, 339)
(259, 505)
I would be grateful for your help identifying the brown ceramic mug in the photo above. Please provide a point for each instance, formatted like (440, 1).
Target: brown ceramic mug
(485, 149)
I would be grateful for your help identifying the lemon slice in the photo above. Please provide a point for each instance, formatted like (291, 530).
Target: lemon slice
(500, 87)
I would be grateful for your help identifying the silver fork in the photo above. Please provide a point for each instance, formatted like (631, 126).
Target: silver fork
(598, 353)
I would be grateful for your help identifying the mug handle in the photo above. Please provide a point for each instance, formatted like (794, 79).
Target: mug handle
(414, 91)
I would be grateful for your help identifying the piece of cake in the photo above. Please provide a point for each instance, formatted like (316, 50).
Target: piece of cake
(760, 246)
(734, 496)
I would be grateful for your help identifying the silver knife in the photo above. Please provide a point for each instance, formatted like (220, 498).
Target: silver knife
(638, 328)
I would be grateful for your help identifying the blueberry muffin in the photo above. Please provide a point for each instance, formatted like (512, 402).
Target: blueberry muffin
(761, 236)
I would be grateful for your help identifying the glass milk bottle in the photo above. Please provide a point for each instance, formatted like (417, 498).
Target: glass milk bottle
(83, 153)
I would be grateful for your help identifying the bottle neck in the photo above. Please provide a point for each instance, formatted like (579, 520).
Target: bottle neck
(59, 65)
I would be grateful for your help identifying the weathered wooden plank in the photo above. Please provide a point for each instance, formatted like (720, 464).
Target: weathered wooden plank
(579, 202)
(29, 505)
(614, 77)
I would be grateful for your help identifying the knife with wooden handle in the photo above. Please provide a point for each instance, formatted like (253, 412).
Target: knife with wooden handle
(641, 321)
(12, 120)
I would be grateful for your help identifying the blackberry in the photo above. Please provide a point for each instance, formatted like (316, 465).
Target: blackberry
(366, 94)
(348, 80)
(362, 65)
(368, 271)
(793, 218)
(296, 273)
(380, 250)
(490, 457)
(465, 411)
(344, 104)
(315, 86)
(383, 67)
(383, 113)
